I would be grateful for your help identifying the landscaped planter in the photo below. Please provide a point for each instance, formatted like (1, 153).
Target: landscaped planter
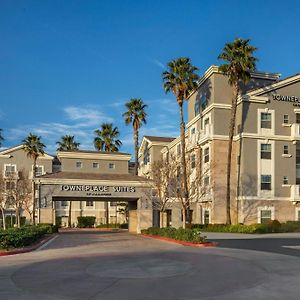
(184, 243)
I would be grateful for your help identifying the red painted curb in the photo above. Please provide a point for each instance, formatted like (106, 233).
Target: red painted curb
(90, 229)
(29, 248)
(208, 244)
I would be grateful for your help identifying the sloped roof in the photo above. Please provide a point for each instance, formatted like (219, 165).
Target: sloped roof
(159, 138)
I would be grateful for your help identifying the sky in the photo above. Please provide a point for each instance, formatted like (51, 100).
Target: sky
(68, 66)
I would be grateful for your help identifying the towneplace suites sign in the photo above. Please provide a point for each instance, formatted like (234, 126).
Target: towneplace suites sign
(98, 190)
(293, 99)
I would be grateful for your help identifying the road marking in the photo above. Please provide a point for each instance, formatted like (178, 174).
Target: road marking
(46, 244)
(292, 247)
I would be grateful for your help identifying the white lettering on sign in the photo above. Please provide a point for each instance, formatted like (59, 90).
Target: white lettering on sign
(293, 99)
(97, 188)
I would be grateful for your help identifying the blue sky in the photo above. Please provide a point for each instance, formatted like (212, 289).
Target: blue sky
(67, 66)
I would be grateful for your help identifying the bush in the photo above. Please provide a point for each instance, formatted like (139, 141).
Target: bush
(50, 227)
(21, 237)
(188, 235)
(58, 221)
(290, 226)
(111, 225)
(86, 222)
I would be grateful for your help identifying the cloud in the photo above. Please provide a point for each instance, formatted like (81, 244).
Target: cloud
(158, 63)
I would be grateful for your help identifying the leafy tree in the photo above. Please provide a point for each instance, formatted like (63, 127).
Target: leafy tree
(107, 138)
(181, 79)
(33, 148)
(67, 142)
(135, 115)
(239, 59)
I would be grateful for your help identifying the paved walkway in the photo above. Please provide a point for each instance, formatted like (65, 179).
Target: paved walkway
(123, 266)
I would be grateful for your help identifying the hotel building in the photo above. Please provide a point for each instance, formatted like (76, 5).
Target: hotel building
(92, 181)
(265, 177)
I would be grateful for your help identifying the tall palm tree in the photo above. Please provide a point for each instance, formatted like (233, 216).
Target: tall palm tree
(67, 142)
(1, 137)
(34, 148)
(136, 116)
(239, 59)
(181, 79)
(107, 138)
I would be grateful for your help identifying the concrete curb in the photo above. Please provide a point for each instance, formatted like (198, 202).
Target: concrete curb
(29, 248)
(91, 229)
(205, 245)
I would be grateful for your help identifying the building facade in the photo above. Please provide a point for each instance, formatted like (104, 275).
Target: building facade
(94, 184)
(265, 177)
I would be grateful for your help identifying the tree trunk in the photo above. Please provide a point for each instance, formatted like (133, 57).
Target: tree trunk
(229, 154)
(183, 217)
(18, 217)
(183, 161)
(106, 213)
(3, 218)
(161, 221)
(70, 214)
(33, 191)
(136, 149)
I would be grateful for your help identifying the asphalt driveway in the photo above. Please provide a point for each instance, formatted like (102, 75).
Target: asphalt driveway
(123, 266)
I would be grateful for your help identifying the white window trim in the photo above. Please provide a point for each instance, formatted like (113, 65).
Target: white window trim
(80, 163)
(203, 213)
(260, 208)
(265, 131)
(114, 166)
(10, 165)
(39, 166)
(89, 207)
(98, 165)
(266, 193)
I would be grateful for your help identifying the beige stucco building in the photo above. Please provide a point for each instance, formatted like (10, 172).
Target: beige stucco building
(95, 183)
(266, 151)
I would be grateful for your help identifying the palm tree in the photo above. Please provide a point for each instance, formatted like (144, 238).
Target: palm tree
(107, 138)
(136, 116)
(66, 143)
(1, 137)
(34, 148)
(181, 79)
(239, 59)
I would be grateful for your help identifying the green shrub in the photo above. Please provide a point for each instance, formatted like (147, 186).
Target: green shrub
(112, 225)
(58, 221)
(86, 222)
(188, 235)
(50, 227)
(21, 237)
(274, 225)
(290, 226)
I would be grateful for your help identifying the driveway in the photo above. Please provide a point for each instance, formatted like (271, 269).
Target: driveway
(113, 266)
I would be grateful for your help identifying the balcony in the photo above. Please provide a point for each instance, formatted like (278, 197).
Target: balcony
(295, 132)
(295, 192)
(206, 133)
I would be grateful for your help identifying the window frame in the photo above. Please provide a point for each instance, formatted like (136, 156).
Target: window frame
(266, 219)
(265, 153)
(285, 180)
(206, 155)
(286, 149)
(264, 184)
(264, 122)
(79, 164)
(96, 165)
(285, 119)
(111, 166)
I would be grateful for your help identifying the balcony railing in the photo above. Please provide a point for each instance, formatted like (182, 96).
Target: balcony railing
(295, 131)
(295, 192)
(206, 132)
(11, 174)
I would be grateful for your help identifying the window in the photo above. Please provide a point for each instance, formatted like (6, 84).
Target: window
(206, 155)
(79, 164)
(193, 130)
(286, 119)
(95, 165)
(265, 151)
(285, 180)
(39, 170)
(10, 170)
(206, 217)
(206, 180)
(10, 185)
(298, 118)
(265, 121)
(265, 183)
(63, 203)
(112, 204)
(111, 165)
(178, 149)
(197, 106)
(203, 101)
(193, 161)
(285, 149)
(265, 216)
(89, 203)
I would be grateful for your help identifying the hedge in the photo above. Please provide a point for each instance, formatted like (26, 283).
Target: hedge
(86, 222)
(10, 221)
(187, 235)
(111, 225)
(271, 227)
(21, 237)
